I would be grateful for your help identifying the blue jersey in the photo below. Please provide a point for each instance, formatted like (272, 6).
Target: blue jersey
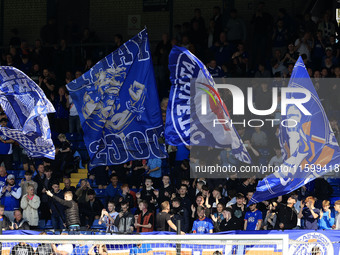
(202, 226)
(11, 200)
(3, 180)
(253, 218)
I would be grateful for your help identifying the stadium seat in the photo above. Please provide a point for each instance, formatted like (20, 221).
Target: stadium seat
(333, 199)
(96, 225)
(100, 192)
(48, 224)
(22, 174)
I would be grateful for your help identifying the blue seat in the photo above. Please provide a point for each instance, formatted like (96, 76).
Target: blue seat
(333, 199)
(22, 174)
(48, 224)
(41, 224)
(100, 192)
(96, 225)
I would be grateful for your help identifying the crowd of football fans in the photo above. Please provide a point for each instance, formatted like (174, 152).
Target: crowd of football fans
(155, 194)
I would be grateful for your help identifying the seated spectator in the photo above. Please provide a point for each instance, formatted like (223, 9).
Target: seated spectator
(309, 213)
(271, 217)
(253, 219)
(124, 196)
(93, 208)
(28, 181)
(3, 218)
(202, 225)
(108, 217)
(22, 248)
(163, 219)
(286, 214)
(259, 139)
(19, 223)
(262, 72)
(326, 220)
(30, 204)
(180, 213)
(10, 196)
(144, 221)
(57, 209)
(124, 220)
(228, 223)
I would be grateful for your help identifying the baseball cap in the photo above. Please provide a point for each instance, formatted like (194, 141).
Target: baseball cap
(11, 176)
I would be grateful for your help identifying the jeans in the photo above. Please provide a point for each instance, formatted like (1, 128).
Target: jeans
(57, 222)
(74, 124)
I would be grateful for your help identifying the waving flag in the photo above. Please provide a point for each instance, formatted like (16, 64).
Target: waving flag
(185, 122)
(26, 106)
(118, 106)
(310, 148)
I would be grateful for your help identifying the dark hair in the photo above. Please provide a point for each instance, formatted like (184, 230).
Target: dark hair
(29, 172)
(176, 199)
(239, 195)
(91, 192)
(205, 187)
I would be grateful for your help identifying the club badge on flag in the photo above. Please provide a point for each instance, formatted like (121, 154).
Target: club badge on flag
(26, 106)
(196, 114)
(309, 148)
(118, 106)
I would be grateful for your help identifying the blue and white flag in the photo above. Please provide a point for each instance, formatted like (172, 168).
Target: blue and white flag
(118, 106)
(192, 90)
(26, 106)
(309, 148)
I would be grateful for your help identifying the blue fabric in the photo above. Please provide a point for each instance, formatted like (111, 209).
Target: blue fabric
(185, 123)
(202, 226)
(310, 143)
(327, 222)
(10, 202)
(5, 148)
(153, 163)
(252, 218)
(118, 106)
(27, 107)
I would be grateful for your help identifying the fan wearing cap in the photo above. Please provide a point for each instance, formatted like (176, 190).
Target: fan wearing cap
(5, 147)
(10, 196)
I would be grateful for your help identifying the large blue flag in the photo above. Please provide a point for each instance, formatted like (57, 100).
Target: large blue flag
(26, 106)
(186, 123)
(309, 148)
(118, 106)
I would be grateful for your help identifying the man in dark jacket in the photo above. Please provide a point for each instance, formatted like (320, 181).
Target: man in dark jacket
(71, 211)
(93, 207)
(286, 215)
(124, 220)
(19, 223)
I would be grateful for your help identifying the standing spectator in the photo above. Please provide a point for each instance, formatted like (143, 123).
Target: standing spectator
(336, 226)
(271, 217)
(326, 26)
(276, 160)
(154, 170)
(108, 217)
(228, 223)
(184, 197)
(279, 37)
(73, 119)
(112, 190)
(222, 50)
(253, 219)
(71, 209)
(63, 156)
(217, 217)
(19, 223)
(61, 114)
(6, 147)
(68, 187)
(309, 213)
(124, 196)
(10, 196)
(326, 220)
(144, 221)
(304, 45)
(4, 219)
(286, 215)
(236, 29)
(180, 213)
(199, 19)
(163, 219)
(215, 70)
(239, 211)
(3, 176)
(291, 56)
(30, 204)
(202, 225)
(93, 207)
(166, 190)
(262, 72)
(148, 194)
(57, 209)
(46, 83)
(28, 181)
(125, 220)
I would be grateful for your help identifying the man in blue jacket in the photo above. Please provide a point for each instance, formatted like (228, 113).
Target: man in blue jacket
(10, 196)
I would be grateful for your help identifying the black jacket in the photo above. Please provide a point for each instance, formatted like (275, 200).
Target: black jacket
(287, 216)
(5, 222)
(71, 211)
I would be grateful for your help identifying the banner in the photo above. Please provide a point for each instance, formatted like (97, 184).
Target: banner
(196, 113)
(118, 106)
(309, 146)
(26, 107)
